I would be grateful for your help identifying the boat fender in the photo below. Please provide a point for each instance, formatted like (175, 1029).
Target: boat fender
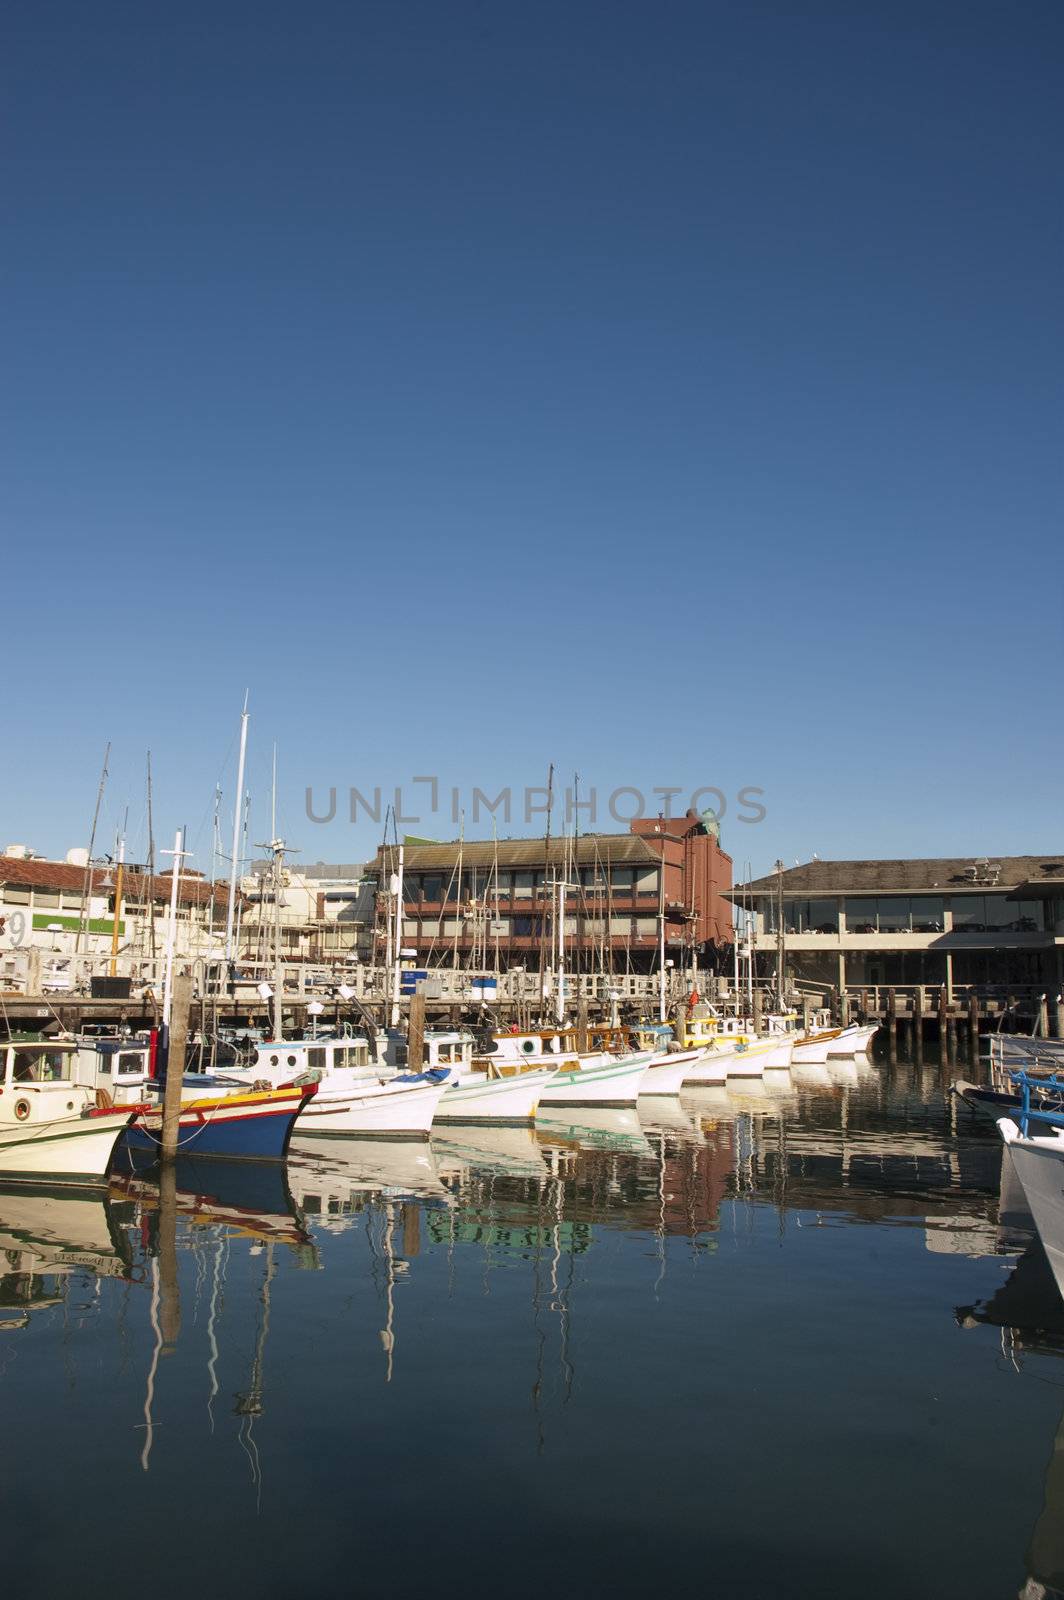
(22, 1109)
(104, 1099)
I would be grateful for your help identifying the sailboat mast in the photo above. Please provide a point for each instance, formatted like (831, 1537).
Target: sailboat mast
(83, 920)
(238, 806)
(397, 940)
(119, 867)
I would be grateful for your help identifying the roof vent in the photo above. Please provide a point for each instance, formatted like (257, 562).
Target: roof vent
(19, 852)
(78, 857)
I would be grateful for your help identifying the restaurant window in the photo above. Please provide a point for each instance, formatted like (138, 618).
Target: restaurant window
(523, 885)
(860, 916)
(646, 926)
(522, 927)
(647, 886)
(928, 914)
(431, 886)
(621, 879)
(893, 914)
(15, 895)
(809, 916)
(46, 898)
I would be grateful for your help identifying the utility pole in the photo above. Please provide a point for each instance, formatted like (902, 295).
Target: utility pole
(171, 928)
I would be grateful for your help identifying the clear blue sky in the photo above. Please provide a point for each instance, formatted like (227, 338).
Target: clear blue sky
(671, 393)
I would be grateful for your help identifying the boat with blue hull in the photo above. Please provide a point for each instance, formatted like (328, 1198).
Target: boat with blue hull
(231, 1127)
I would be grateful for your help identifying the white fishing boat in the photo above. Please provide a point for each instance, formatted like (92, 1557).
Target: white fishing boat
(814, 1049)
(52, 1131)
(853, 1041)
(666, 1072)
(1038, 1160)
(595, 1080)
(355, 1098)
(480, 1093)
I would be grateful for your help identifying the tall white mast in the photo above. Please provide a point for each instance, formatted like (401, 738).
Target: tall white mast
(397, 943)
(171, 926)
(238, 806)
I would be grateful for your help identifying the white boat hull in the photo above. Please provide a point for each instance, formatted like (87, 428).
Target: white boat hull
(618, 1083)
(476, 1098)
(71, 1152)
(1039, 1165)
(392, 1109)
(854, 1042)
(710, 1070)
(666, 1073)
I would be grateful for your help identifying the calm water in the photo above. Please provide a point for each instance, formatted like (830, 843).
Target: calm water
(776, 1342)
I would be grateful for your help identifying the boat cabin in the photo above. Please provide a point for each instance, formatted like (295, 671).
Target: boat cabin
(37, 1081)
(120, 1067)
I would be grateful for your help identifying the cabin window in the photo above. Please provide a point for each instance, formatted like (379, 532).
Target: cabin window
(361, 1055)
(103, 1066)
(40, 1066)
(528, 1046)
(402, 1055)
(293, 1061)
(275, 1061)
(131, 1062)
(316, 1060)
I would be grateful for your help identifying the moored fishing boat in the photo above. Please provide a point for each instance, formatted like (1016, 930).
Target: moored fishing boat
(226, 1126)
(1035, 1141)
(814, 1049)
(355, 1097)
(853, 1041)
(52, 1131)
(666, 1072)
(594, 1080)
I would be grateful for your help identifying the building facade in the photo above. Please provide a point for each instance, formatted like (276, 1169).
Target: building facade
(494, 904)
(64, 909)
(958, 922)
(326, 912)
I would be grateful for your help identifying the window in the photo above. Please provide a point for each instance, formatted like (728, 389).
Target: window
(646, 926)
(522, 927)
(16, 896)
(132, 1063)
(894, 914)
(523, 884)
(46, 898)
(861, 916)
(432, 886)
(71, 902)
(316, 1060)
(646, 883)
(928, 914)
(41, 1066)
(621, 879)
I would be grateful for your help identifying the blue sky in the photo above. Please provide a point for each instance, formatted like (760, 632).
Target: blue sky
(673, 395)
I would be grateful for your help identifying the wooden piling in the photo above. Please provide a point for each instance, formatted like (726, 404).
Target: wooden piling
(1060, 1016)
(180, 1004)
(943, 1017)
(892, 1019)
(415, 1037)
(581, 1021)
(758, 1002)
(973, 1024)
(1043, 1017)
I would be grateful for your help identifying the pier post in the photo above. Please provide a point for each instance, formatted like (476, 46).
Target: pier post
(943, 1017)
(973, 1024)
(757, 1010)
(581, 1020)
(1060, 1016)
(1043, 1017)
(892, 1022)
(918, 1017)
(415, 1037)
(180, 1005)
(844, 1007)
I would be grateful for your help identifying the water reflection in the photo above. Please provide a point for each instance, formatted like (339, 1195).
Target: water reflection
(776, 1270)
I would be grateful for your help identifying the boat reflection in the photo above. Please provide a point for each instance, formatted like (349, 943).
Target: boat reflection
(594, 1128)
(332, 1181)
(45, 1236)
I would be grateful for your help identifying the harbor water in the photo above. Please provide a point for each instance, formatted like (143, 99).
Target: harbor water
(780, 1339)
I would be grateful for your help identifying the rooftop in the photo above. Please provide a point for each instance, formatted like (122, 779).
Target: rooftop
(35, 873)
(918, 875)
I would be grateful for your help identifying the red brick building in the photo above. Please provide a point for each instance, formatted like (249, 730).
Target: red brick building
(494, 903)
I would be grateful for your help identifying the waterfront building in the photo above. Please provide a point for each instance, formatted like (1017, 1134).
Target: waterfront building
(492, 904)
(958, 922)
(64, 908)
(326, 912)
